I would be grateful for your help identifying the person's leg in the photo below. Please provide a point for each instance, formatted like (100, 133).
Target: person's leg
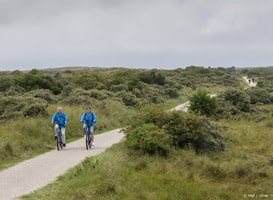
(63, 135)
(56, 129)
(84, 129)
(92, 135)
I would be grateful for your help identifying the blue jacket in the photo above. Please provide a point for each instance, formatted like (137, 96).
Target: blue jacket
(90, 119)
(60, 118)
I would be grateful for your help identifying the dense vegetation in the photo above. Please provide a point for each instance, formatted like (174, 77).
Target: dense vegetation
(208, 153)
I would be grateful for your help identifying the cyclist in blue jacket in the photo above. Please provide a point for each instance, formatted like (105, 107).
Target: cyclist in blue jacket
(60, 119)
(89, 118)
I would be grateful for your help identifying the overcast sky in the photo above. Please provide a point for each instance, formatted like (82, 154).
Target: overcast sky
(135, 33)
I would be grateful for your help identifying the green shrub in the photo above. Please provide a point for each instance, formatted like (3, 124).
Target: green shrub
(135, 83)
(78, 96)
(201, 102)
(259, 95)
(154, 94)
(35, 79)
(238, 98)
(77, 100)
(35, 109)
(149, 139)
(191, 131)
(137, 92)
(6, 83)
(153, 77)
(44, 94)
(67, 90)
(19, 106)
(185, 130)
(171, 92)
(99, 94)
(129, 99)
(117, 88)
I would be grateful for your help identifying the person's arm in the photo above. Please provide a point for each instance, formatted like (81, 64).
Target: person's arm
(66, 118)
(82, 118)
(94, 118)
(53, 118)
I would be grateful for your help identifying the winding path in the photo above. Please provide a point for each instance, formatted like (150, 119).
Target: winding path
(27, 176)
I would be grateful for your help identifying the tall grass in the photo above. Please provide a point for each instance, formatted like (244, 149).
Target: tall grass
(21, 139)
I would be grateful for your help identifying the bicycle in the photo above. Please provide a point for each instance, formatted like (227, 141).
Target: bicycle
(88, 137)
(59, 138)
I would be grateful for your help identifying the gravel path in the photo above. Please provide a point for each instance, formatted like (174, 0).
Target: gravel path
(35, 173)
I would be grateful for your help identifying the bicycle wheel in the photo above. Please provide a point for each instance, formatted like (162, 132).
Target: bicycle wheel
(86, 140)
(61, 145)
(89, 142)
(58, 144)
(59, 141)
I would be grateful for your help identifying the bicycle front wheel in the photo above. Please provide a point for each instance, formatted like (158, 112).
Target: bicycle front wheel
(86, 143)
(59, 144)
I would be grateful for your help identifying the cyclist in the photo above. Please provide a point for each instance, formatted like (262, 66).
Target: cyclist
(89, 118)
(60, 119)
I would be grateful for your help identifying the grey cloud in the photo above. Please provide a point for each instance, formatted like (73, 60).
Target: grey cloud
(126, 32)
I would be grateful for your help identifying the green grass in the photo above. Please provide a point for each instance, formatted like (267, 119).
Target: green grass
(18, 143)
(244, 168)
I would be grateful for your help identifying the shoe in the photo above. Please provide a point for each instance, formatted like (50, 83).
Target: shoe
(55, 137)
(64, 145)
(92, 143)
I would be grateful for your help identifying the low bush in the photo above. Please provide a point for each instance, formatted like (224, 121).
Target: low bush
(171, 92)
(129, 99)
(117, 88)
(186, 131)
(19, 106)
(36, 109)
(99, 94)
(5, 83)
(201, 102)
(238, 98)
(259, 95)
(149, 139)
(191, 131)
(44, 94)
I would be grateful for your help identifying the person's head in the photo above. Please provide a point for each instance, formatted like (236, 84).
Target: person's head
(59, 109)
(88, 109)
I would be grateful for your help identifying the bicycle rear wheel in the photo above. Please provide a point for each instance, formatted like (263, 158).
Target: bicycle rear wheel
(59, 143)
(86, 143)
